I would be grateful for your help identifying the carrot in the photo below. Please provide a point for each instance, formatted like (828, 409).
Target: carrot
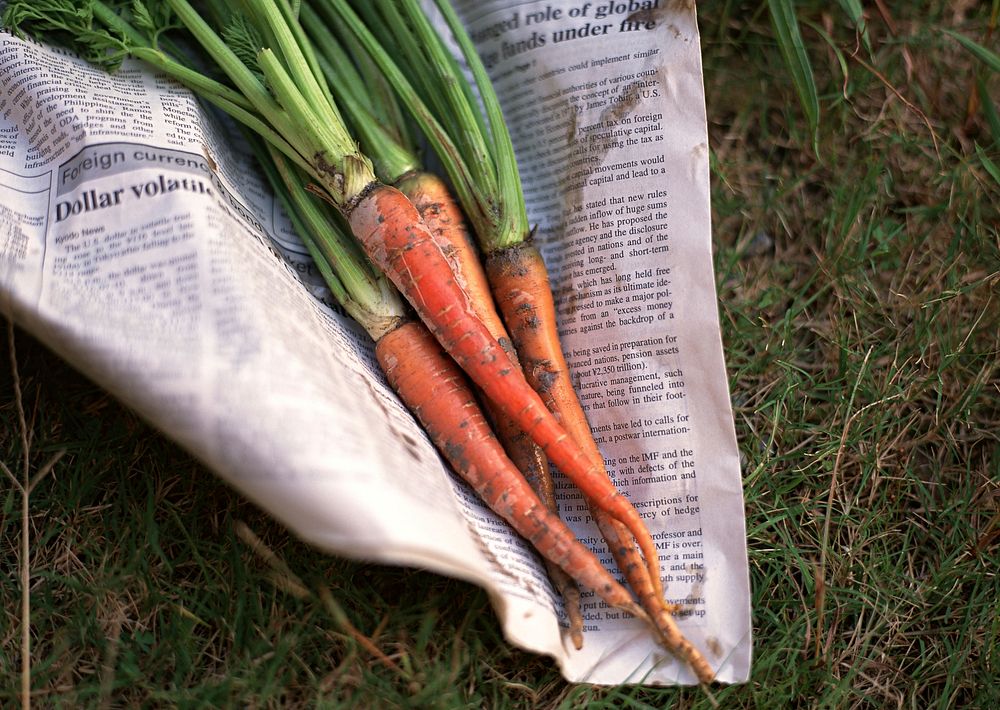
(390, 230)
(444, 219)
(521, 287)
(419, 269)
(433, 388)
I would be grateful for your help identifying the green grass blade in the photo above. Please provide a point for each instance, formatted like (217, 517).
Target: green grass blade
(986, 56)
(793, 50)
(990, 166)
(832, 44)
(989, 110)
(854, 11)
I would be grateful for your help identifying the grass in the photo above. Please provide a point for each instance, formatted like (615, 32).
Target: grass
(858, 270)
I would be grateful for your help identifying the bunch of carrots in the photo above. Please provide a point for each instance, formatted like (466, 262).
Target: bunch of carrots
(309, 81)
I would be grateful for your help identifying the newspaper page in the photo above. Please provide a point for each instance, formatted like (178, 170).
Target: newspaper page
(139, 242)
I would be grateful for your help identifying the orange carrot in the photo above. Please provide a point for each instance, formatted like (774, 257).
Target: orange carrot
(387, 225)
(481, 164)
(435, 390)
(444, 218)
(521, 287)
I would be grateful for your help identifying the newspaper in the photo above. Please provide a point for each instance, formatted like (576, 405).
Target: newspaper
(138, 241)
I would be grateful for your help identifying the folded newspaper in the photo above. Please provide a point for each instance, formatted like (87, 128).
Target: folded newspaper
(140, 243)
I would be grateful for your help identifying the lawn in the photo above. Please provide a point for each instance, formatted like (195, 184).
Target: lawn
(856, 224)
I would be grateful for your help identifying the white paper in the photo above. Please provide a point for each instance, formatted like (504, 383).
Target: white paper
(138, 241)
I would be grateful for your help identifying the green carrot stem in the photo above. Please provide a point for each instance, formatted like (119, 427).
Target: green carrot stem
(227, 60)
(384, 141)
(516, 229)
(262, 129)
(471, 193)
(368, 298)
(288, 41)
(357, 73)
